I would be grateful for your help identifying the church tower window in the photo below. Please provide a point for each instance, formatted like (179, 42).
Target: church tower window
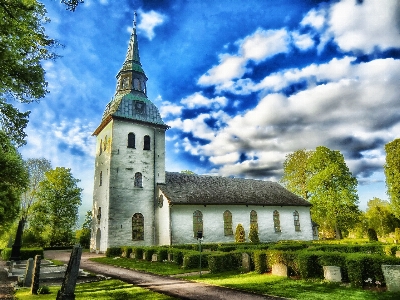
(101, 147)
(131, 140)
(101, 178)
(228, 223)
(138, 180)
(137, 227)
(296, 220)
(146, 143)
(277, 222)
(197, 222)
(136, 84)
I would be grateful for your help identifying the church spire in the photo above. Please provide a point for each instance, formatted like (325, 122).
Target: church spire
(131, 77)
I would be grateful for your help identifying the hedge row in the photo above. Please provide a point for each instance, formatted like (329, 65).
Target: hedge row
(25, 253)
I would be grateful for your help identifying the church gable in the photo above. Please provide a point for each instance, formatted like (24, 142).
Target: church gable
(198, 189)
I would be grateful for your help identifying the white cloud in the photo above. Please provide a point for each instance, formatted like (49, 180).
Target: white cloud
(302, 41)
(167, 108)
(198, 100)
(150, 20)
(230, 67)
(314, 18)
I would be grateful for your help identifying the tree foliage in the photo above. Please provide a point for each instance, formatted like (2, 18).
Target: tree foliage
(23, 46)
(56, 210)
(13, 181)
(392, 173)
(253, 234)
(83, 234)
(322, 177)
(380, 217)
(240, 235)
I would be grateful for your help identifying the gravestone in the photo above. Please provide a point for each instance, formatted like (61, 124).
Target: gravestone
(397, 253)
(245, 262)
(16, 247)
(36, 275)
(154, 257)
(28, 272)
(170, 257)
(332, 273)
(132, 255)
(67, 291)
(392, 277)
(279, 270)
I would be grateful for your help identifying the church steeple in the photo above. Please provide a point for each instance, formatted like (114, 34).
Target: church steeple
(131, 77)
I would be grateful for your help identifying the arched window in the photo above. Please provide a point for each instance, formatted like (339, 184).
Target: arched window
(101, 178)
(131, 140)
(228, 223)
(296, 220)
(136, 84)
(138, 180)
(101, 147)
(137, 227)
(277, 222)
(197, 222)
(253, 219)
(146, 143)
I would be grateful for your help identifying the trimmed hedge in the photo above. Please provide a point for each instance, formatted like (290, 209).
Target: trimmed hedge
(260, 261)
(371, 248)
(25, 253)
(148, 253)
(138, 252)
(191, 260)
(114, 251)
(177, 255)
(126, 251)
(220, 262)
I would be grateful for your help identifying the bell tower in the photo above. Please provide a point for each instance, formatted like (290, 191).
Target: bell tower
(130, 161)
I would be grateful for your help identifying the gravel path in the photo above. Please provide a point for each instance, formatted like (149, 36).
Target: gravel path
(180, 289)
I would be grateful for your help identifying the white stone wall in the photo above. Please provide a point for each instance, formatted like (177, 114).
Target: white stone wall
(213, 225)
(163, 222)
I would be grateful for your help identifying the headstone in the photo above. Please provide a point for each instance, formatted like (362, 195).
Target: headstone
(392, 277)
(16, 247)
(397, 253)
(132, 255)
(36, 275)
(154, 257)
(279, 270)
(332, 273)
(67, 291)
(245, 262)
(170, 257)
(28, 273)
(144, 255)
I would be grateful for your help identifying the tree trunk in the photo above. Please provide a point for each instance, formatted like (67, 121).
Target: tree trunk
(338, 233)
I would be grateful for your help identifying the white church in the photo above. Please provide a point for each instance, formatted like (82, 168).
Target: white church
(136, 202)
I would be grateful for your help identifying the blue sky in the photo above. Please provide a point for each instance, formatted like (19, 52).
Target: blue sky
(241, 83)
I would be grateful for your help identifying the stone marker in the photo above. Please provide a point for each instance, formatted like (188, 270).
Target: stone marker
(279, 270)
(245, 262)
(170, 257)
(16, 247)
(67, 291)
(397, 253)
(392, 277)
(332, 273)
(28, 273)
(154, 257)
(36, 275)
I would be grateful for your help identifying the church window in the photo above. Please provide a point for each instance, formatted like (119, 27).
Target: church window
(125, 83)
(136, 84)
(105, 143)
(131, 140)
(146, 144)
(101, 178)
(99, 215)
(137, 227)
(253, 219)
(296, 220)
(138, 180)
(277, 222)
(101, 147)
(228, 223)
(197, 222)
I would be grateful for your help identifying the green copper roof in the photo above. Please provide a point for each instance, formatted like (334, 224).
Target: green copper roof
(134, 107)
(132, 58)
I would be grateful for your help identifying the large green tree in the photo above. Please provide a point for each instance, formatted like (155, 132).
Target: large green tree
(13, 181)
(55, 213)
(392, 173)
(83, 234)
(322, 177)
(380, 217)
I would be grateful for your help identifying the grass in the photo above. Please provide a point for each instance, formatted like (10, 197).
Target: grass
(290, 288)
(161, 268)
(102, 290)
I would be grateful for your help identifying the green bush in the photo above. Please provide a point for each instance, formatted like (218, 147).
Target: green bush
(162, 253)
(288, 258)
(148, 253)
(138, 252)
(191, 260)
(390, 250)
(253, 234)
(289, 246)
(260, 261)
(114, 251)
(370, 248)
(308, 264)
(220, 262)
(126, 251)
(240, 235)
(177, 255)
(397, 235)
(372, 236)
(43, 290)
(25, 253)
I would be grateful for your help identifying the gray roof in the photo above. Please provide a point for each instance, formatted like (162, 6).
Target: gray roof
(199, 189)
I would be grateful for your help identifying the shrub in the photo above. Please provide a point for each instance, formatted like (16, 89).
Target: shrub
(113, 251)
(397, 235)
(191, 260)
(148, 253)
(25, 253)
(309, 266)
(43, 290)
(177, 255)
(260, 261)
(390, 250)
(372, 237)
(6, 254)
(220, 262)
(253, 234)
(138, 252)
(162, 253)
(126, 251)
(240, 235)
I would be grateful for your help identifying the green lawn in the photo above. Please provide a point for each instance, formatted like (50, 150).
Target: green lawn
(162, 268)
(102, 290)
